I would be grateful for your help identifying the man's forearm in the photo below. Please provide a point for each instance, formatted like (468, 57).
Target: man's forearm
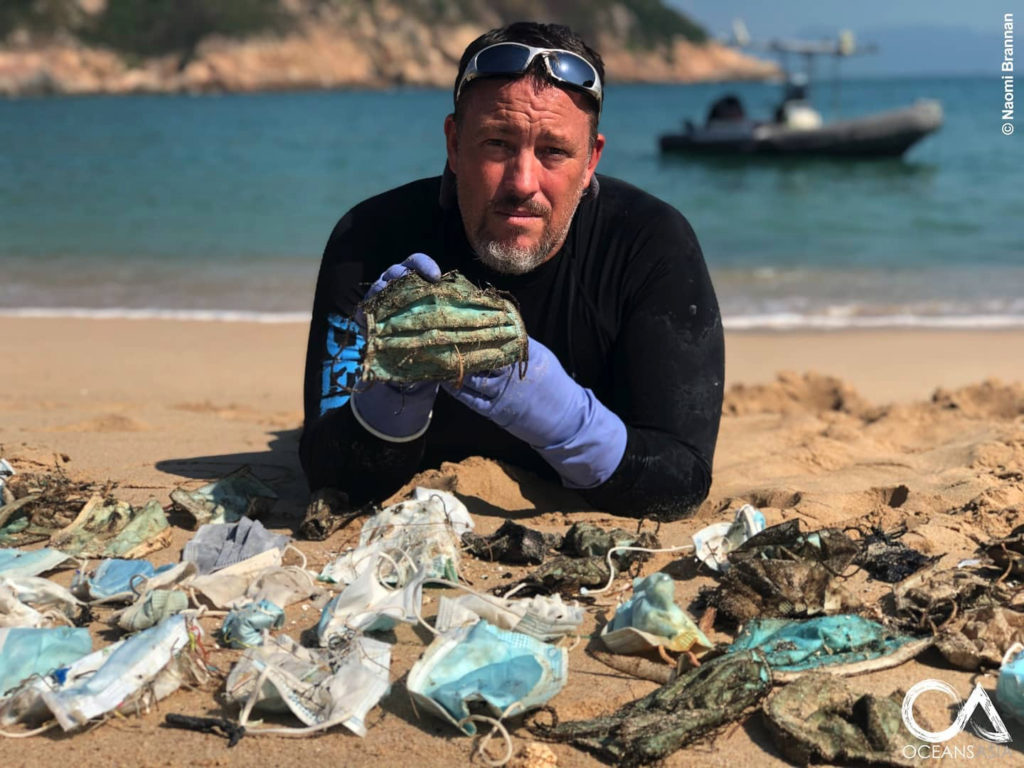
(658, 477)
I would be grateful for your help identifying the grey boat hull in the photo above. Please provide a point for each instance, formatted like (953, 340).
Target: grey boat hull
(886, 134)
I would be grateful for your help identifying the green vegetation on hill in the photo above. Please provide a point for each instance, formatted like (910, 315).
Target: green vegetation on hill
(153, 27)
(149, 27)
(655, 23)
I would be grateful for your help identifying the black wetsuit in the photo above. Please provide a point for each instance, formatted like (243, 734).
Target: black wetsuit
(627, 306)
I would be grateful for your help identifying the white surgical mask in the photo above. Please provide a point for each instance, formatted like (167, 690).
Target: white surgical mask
(367, 605)
(545, 618)
(321, 688)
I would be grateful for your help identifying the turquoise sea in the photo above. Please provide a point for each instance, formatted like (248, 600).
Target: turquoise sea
(219, 206)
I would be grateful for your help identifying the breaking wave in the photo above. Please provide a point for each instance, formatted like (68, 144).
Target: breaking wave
(839, 318)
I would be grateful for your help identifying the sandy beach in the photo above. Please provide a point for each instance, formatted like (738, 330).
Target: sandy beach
(923, 428)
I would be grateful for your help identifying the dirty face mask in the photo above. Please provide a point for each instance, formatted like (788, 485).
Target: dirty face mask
(115, 529)
(136, 664)
(512, 543)
(228, 500)
(14, 613)
(229, 587)
(218, 546)
(841, 644)
(321, 688)
(20, 598)
(367, 605)
(26, 704)
(424, 531)
(1010, 686)
(980, 637)
(423, 331)
(541, 617)
(651, 618)
(125, 580)
(818, 719)
(713, 544)
(37, 592)
(507, 671)
(689, 708)
(14, 562)
(154, 607)
(245, 627)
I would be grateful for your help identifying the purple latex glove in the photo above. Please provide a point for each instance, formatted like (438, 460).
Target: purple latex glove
(394, 412)
(564, 422)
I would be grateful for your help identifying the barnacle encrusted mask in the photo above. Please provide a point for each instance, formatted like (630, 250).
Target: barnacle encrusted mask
(422, 331)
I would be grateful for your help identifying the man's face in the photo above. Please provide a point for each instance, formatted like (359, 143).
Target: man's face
(522, 159)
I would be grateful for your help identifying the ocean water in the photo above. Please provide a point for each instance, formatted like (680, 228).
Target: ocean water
(219, 206)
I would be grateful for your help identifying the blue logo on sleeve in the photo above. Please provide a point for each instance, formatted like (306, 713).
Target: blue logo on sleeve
(344, 345)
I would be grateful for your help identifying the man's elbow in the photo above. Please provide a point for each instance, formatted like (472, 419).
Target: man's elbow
(676, 497)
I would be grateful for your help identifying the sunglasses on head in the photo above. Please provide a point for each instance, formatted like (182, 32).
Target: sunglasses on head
(515, 59)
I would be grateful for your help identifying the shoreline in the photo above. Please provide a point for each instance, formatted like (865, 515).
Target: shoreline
(780, 324)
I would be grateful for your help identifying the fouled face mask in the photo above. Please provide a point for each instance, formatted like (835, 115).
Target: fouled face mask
(27, 652)
(651, 618)
(423, 331)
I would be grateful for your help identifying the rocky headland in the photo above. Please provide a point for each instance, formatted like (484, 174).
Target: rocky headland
(100, 46)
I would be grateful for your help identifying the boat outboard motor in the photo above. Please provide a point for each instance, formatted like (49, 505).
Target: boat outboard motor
(729, 108)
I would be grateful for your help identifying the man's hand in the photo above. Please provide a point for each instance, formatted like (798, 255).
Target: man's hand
(392, 412)
(564, 422)
(419, 263)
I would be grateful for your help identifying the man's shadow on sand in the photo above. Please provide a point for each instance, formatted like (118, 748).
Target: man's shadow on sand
(277, 465)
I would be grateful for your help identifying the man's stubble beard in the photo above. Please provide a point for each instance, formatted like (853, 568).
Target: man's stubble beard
(511, 259)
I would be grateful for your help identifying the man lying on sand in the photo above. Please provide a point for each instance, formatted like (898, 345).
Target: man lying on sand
(623, 393)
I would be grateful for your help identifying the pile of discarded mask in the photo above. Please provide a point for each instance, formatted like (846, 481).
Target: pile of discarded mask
(798, 633)
(801, 633)
(50, 674)
(498, 652)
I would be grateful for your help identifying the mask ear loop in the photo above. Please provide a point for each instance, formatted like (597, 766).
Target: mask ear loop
(28, 734)
(498, 727)
(612, 573)
(135, 583)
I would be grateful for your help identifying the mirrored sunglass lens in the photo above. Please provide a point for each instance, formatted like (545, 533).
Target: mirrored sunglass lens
(572, 69)
(502, 58)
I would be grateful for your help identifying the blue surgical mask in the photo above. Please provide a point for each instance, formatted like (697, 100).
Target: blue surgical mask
(485, 664)
(128, 670)
(28, 652)
(651, 618)
(244, 627)
(14, 562)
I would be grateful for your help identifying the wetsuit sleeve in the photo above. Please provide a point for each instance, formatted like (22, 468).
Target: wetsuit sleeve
(669, 367)
(335, 450)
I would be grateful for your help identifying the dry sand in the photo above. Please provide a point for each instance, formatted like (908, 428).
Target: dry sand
(911, 432)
